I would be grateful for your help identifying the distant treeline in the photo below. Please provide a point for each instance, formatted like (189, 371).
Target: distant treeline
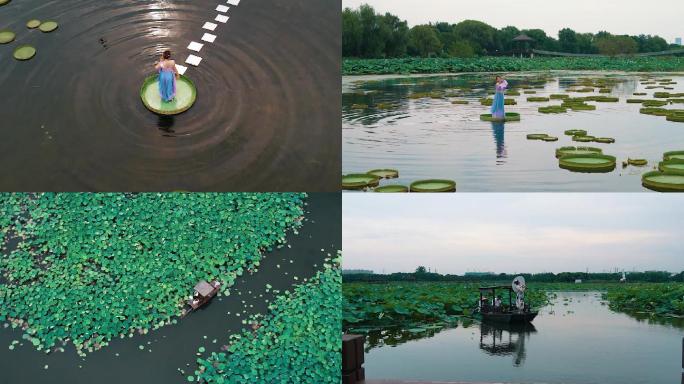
(366, 34)
(563, 277)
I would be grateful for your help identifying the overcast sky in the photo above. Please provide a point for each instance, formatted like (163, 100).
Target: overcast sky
(456, 233)
(632, 17)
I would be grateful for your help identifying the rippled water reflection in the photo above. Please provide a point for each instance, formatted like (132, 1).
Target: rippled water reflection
(576, 340)
(432, 138)
(265, 117)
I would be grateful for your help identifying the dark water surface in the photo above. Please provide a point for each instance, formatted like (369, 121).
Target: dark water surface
(174, 346)
(266, 118)
(582, 342)
(431, 138)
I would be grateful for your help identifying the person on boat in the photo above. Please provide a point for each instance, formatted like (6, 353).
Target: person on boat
(497, 303)
(498, 103)
(167, 76)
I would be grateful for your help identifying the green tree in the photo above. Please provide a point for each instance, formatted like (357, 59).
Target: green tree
(585, 43)
(421, 270)
(567, 40)
(616, 45)
(423, 41)
(398, 35)
(505, 38)
(373, 38)
(352, 33)
(479, 35)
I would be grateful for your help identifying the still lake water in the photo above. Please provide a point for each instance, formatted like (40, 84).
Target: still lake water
(432, 138)
(173, 346)
(266, 115)
(582, 342)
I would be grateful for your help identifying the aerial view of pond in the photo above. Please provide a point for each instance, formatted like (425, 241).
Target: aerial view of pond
(429, 127)
(576, 339)
(264, 117)
(164, 353)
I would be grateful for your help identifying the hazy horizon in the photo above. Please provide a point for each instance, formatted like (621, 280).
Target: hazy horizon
(513, 233)
(617, 17)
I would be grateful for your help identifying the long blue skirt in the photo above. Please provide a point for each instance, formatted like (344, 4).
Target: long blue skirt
(167, 85)
(498, 106)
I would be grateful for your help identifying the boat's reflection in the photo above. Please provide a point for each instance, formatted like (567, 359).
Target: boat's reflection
(506, 340)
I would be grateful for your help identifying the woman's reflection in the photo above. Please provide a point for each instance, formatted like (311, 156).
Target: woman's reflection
(498, 129)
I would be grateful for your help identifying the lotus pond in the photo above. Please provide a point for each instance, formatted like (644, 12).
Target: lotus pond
(202, 236)
(577, 338)
(430, 127)
(265, 114)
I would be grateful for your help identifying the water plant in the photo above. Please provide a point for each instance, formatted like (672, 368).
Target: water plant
(509, 116)
(392, 188)
(24, 52)
(298, 341)
(92, 267)
(384, 173)
(654, 103)
(654, 299)
(6, 36)
(537, 99)
(359, 181)
(594, 163)
(663, 181)
(562, 151)
(575, 132)
(433, 185)
(33, 23)
(553, 109)
(48, 26)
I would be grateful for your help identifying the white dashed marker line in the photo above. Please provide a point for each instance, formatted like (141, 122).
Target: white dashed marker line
(208, 37)
(233, 2)
(221, 18)
(195, 46)
(193, 60)
(209, 26)
(181, 69)
(222, 8)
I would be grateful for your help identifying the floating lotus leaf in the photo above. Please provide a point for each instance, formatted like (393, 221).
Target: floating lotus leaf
(587, 163)
(3, 2)
(359, 106)
(536, 136)
(604, 90)
(675, 116)
(48, 26)
(639, 93)
(654, 103)
(6, 36)
(578, 106)
(537, 99)
(549, 138)
(459, 101)
(675, 101)
(604, 140)
(530, 92)
(637, 162)
(393, 188)
(552, 109)
(636, 101)
(674, 156)
(31, 24)
(489, 102)
(663, 181)
(654, 111)
(186, 94)
(673, 167)
(583, 139)
(557, 96)
(384, 173)
(24, 52)
(509, 116)
(433, 185)
(359, 181)
(577, 151)
(575, 132)
(513, 93)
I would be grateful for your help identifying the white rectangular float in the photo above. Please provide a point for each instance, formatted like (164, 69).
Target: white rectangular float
(222, 8)
(209, 26)
(193, 60)
(221, 18)
(208, 37)
(194, 46)
(233, 2)
(181, 69)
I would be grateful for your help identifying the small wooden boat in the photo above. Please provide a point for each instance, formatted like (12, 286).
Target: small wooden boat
(501, 313)
(204, 292)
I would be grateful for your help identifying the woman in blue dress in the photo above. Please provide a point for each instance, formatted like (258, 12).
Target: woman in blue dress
(498, 104)
(167, 76)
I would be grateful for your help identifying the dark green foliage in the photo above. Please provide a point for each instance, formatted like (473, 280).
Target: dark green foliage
(656, 299)
(298, 341)
(92, 267)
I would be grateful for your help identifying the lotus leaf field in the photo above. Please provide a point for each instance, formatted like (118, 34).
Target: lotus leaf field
(87, 268)
(298, 341)
(509, 64)
(369, 307)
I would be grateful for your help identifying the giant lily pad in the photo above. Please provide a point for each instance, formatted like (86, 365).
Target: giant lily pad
(186, 94)
(587, 163)
(6, 36)
(508, 116)
(359, 181)
(48, 26)
(677, 156)
(3, 2)
(673, 167)
(24, 52)
(393, 188)
(583, 138)
(33, 23)
(562, 151)
(384, 173)
(663, 181)
(576, 132)
(433, 185)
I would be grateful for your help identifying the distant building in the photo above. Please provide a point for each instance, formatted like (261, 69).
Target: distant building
(678, 40)
(578, 281)
(357, 272)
